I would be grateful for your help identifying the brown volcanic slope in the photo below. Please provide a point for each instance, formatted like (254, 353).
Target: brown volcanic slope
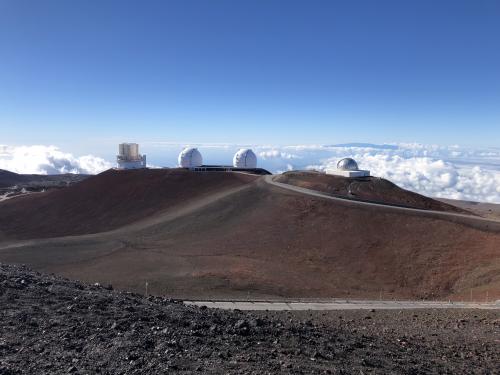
(109, 200)
(251, 240)
(373, 189)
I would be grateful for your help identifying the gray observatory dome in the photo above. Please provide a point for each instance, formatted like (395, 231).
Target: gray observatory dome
(347, 164)
(245, 158)
(189, 158)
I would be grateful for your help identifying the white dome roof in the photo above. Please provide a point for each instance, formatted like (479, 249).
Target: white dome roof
(347, 164)
(245, 158)
(190, 157)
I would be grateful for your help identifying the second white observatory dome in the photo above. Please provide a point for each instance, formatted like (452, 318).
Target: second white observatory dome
(245, 158)
(347, 164)
(190, 157)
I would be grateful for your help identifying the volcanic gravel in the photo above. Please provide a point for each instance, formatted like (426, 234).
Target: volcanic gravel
(50, 325)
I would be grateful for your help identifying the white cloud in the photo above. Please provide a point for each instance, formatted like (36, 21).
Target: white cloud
(276, 154)
(48, 160)
(431, 177)
(433, 170)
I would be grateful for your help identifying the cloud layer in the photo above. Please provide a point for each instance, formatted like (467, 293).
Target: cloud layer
(444, 172)
(48, 160)
(447, 172)
(432, 177)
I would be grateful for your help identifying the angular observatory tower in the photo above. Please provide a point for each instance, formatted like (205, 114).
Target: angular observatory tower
(190, 158)
(129, 158)
(245, 158)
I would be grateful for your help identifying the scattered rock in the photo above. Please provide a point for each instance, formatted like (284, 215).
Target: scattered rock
(56, 326)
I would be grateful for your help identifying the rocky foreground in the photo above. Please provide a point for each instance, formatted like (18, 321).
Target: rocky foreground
(50, 325)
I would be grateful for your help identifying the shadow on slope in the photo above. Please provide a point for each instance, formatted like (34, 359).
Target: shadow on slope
(109, 200)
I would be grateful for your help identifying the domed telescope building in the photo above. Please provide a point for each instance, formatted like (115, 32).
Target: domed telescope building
(348, 167)
(244, 161)
(129, 158)
(245, 158)
(190, 158)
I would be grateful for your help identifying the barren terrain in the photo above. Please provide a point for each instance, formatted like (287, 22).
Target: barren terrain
(14, 184)
(110, 200)
(488, 210)
(372, 189)
(50, 325)
(224, 235)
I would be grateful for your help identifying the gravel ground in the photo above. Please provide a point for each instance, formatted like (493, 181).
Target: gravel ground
(50, 325)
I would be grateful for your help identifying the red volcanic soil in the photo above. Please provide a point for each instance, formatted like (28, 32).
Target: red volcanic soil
(110, 200)
(234, 235)
(373, 189)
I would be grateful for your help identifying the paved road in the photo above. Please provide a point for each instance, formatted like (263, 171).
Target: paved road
(493, 224)
(342, 305)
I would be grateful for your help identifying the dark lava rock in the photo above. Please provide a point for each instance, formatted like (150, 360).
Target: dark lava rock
(50, 325)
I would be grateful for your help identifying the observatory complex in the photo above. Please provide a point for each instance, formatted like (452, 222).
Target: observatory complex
(347, 167)
(244, 160)
(129, 158)
(190, 158)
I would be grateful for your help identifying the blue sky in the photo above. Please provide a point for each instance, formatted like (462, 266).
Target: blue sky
(84, 75)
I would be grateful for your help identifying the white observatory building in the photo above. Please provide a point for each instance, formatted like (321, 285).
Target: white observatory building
(347, 167)
(129, 158)
(190, 158)
(245, 158)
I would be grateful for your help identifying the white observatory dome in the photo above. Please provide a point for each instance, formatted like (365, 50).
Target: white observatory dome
(245, 158)
(190, 157)
(347, 164)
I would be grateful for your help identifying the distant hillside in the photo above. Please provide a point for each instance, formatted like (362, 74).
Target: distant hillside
(366, 145)
(9, 179)
(373, 189)
(110, 200)
(223, 234)
(13, 185)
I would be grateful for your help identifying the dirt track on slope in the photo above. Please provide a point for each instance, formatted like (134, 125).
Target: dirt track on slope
(55, 326)
(259, 241)
(373, 189)
(110, 200)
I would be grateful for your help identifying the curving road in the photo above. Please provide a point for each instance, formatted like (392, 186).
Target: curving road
(476, 221)
(337, 304)
(483, 223)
